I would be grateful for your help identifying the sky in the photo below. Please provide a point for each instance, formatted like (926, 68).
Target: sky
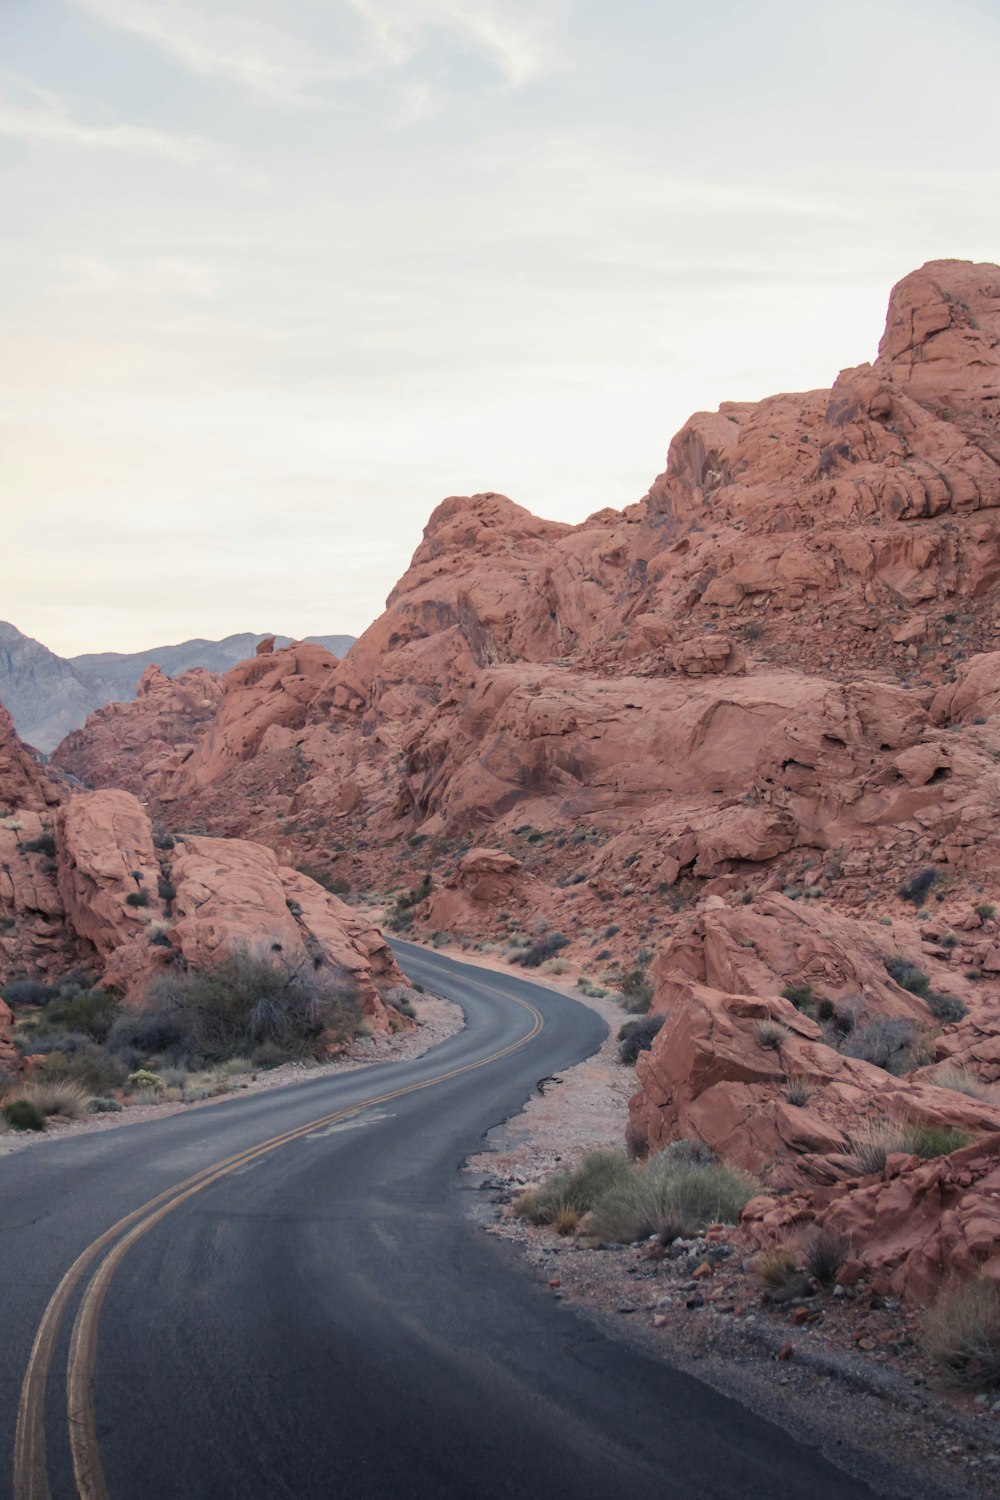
(275, 278)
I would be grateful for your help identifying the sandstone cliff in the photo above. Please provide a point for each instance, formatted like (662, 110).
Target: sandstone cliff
(743, 736)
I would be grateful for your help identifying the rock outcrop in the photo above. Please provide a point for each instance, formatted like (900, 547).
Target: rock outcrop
(742, 736)
(83, 879)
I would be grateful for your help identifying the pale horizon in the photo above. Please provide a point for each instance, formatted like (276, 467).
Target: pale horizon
(275, 286)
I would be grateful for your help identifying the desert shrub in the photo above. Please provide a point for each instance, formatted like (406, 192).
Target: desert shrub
(825, 1252)
(930, 1141)
(43, 844)
(86, 1065)
(91, 1012)
(57, 1096)
(637, 1036)
(948, 1076)
(145, 1080)
(577, 1188)
(269, 1055)
(825, 1009)
(101, 1106)
(441, 939)
(689, 1154)
(23, 1114)
(160, 939)
(889, 1042)
(775, 1268)
(238, 1005)
(876, 1140)
(771, 1034)
(400, 919)
(546, 947)
(961, 1333)
(668, 1197)
(149, 1095)
(165, 889)
(28, 992)
(799, 1089)
(916, 888)
(415, 896)
(137, 898)
(907, 975)
(801, 996)
(946, 1008)
(636, 991)
(986, 910)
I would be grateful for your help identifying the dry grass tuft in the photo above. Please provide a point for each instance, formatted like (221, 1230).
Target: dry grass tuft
(799, 1089)
(772, 1035)
(962, 1333)
(775, 1268)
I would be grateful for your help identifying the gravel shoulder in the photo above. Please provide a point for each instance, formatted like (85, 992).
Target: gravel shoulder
(842, 1370)
(437, 1020)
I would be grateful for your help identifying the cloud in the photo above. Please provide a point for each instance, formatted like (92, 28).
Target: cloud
(519, 40)
(48, 119)
(266, 54)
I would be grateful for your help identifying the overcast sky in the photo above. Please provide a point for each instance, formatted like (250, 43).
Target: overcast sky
(276, 277)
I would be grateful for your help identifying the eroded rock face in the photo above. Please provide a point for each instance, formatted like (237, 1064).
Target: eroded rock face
(917, 1226)
(82, 879)
(775, 672)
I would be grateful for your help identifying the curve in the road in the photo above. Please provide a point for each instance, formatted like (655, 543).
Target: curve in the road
(30, 1469)
(322, 1320)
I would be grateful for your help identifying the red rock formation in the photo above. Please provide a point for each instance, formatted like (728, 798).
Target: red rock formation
(91, 884)
(916, 1226)
(777, 671)
(135, 745)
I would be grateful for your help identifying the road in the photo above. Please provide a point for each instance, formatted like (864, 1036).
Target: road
(320, 1318)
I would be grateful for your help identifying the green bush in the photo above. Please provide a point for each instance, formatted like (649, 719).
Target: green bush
(87, 1065)
(917, 887)
(907, 975)
(237, 1006)
(576, 1189)
(637, 991)
(670, 1197)
(946, 1008)
(92, 1012)
(137, 898)
(637, 1036)
(546, 947)
(145, 1079)
(22, 1114)
(801, 996)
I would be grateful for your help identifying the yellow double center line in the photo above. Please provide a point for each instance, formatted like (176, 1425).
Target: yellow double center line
(30, 1473)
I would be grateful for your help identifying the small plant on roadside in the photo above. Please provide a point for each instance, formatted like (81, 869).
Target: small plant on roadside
(775, 1268)
(826, 1250)
(23, 1114)
(145, 1078)
(961, 1333)
(637, 1036)
(577, 1188)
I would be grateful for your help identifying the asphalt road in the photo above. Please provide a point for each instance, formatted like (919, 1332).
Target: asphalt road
(323, 1320)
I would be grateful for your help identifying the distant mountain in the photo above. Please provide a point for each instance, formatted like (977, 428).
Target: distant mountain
(48, 695)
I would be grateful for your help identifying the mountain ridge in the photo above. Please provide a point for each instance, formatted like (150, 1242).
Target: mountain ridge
(49, 695)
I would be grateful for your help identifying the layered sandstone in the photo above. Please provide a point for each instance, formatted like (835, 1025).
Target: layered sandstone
(776, 672)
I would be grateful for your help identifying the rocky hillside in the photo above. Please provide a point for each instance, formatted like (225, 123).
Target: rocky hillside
(49, 695)
(740, 738)
(87, 881)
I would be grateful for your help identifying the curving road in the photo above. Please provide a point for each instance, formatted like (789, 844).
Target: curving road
(316, 1317)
